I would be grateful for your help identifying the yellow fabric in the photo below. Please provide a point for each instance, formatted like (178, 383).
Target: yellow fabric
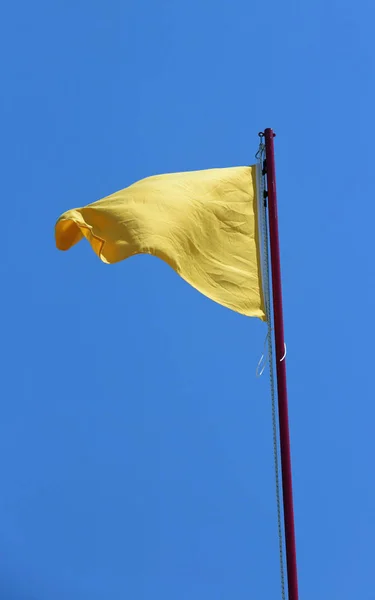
(203, 224)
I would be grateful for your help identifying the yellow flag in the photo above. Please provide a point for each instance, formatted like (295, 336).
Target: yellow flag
(204, 224)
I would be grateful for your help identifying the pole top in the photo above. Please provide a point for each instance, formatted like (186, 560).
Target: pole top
(267, 131)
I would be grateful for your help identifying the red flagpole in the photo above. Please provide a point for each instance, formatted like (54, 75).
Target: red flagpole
(278, 322)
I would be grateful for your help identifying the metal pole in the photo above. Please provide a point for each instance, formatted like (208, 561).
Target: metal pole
(286, 463)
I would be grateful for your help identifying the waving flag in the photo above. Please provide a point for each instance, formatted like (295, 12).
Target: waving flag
(204, 224)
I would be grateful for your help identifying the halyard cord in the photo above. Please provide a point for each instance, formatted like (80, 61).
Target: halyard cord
(267, 297)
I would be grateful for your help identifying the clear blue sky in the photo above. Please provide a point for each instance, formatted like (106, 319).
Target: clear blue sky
(135, 441)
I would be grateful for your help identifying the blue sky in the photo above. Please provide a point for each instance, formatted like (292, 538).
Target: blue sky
(135, 440)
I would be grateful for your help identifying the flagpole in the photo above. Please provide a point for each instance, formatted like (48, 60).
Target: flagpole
(280, 351)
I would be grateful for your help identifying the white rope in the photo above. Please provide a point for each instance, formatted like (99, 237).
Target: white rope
(263, 360)
(268, 341)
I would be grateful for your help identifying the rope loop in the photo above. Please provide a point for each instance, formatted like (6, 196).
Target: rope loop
(284, 355)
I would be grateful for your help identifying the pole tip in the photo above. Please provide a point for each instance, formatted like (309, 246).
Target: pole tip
(269, 131)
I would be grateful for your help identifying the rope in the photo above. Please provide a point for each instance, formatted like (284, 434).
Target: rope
(267, 298)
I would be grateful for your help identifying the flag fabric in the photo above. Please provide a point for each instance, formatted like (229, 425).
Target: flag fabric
(204, 224)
